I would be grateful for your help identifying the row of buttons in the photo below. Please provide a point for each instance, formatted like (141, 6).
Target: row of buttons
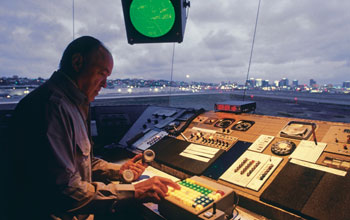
(251, 163)
(213, 140)
(262, 176)
(194, 194)
(154, 140)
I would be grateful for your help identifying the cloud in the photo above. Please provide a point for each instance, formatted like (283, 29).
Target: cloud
(294, 39)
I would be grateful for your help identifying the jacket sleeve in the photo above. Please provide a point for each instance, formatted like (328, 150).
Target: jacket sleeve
(70, 165)
(102, 169)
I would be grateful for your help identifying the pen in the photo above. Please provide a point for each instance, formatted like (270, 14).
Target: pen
(313, 132)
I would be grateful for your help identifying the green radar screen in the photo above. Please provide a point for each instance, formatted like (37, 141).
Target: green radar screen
(152, 18)
(155, 21)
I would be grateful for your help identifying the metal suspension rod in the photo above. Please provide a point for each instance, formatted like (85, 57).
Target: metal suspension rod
(252, 48)
(171, 73)
(73, 19)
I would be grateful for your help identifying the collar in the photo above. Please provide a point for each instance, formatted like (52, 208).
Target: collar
(69, 87)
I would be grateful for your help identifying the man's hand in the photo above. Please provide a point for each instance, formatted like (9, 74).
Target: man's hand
(154, 189)
(136, 168)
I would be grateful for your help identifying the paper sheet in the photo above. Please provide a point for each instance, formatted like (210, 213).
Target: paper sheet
(308, 151)
(195, 157)
(199, 152)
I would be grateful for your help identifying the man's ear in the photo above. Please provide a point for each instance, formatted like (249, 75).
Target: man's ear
(77, 62)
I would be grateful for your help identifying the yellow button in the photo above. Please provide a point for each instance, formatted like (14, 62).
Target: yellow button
(199, 207)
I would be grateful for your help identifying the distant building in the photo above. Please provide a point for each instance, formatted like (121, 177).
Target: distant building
(346, 84)
(312, 83)
(295, 83)
(283, 82)
(265, 83)
(258, 82)
(251, 82)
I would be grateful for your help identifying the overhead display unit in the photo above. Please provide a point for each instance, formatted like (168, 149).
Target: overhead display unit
(155, 21)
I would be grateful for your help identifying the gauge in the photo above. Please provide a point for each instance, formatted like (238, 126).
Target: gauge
(243, 125)
(224, 123)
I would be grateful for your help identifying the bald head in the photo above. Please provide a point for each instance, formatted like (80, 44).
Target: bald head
(84, 46)
(88, 62)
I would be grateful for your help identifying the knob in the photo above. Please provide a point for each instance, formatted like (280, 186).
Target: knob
(144, 126)
(148, 120)
(163, 117)
(155, 122)
(128, 176)
(148, 156)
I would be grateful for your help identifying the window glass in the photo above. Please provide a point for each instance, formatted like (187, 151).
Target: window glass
(300, 61)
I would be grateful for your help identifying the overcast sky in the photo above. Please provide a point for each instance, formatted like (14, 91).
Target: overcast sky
(297, 39)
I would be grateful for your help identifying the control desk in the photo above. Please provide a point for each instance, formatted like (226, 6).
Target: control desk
(281, 168)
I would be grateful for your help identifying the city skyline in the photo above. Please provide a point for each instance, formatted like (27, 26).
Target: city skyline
(252, 82)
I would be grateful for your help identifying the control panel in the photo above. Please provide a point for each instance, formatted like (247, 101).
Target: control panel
(338, 163)
(210, 138)
(196, 195)
(151, 137)
(338, 140)
(271, 144)
(251, 170)
(261, 143)
(152, 125)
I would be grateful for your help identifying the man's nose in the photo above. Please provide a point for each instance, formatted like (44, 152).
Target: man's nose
(104, 83)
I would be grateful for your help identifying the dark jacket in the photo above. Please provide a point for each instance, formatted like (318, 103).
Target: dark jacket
(53, 171)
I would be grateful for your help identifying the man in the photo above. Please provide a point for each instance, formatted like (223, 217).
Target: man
(55, 175)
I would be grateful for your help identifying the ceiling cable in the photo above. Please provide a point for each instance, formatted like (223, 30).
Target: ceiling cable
(171, 72)
(251, 51)
(73, 18)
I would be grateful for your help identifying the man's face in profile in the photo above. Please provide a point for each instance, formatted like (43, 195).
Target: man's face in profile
(96, 69)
